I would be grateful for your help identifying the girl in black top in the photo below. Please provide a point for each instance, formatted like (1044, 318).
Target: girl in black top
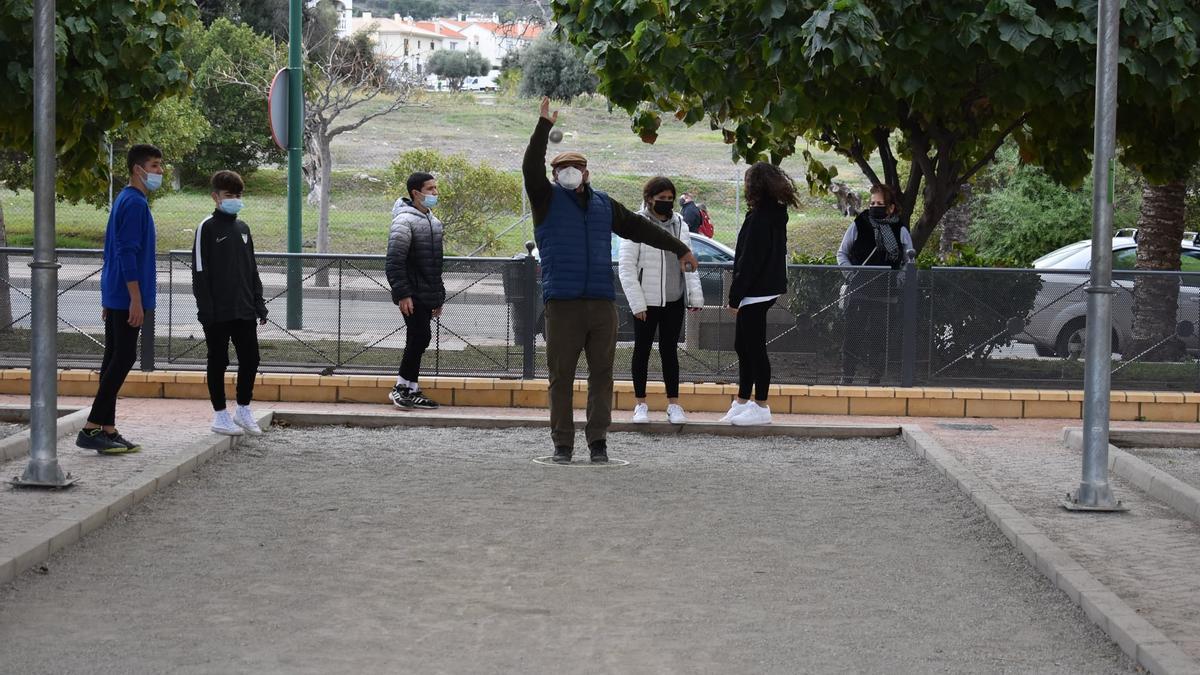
(759, 278)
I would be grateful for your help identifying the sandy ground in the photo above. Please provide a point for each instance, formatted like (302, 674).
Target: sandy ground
(422, 550)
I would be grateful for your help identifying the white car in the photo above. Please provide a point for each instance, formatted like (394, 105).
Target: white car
(1057, 324)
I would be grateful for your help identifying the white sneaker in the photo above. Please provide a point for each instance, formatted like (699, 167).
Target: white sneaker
(735, 409)
(245, 419)
(752, 416)
(675, 414)
(641, 413)
(223, 424)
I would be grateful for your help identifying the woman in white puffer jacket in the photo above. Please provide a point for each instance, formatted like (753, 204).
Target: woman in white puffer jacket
(658, 293)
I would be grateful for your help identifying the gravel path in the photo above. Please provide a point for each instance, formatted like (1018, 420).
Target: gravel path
(336, 550)
(1182, 463)
(7, 429)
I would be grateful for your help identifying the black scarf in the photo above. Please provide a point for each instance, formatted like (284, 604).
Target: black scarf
(885, 236)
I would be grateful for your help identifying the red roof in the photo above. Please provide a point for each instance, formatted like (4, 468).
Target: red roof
(524, 31)
(440, 30)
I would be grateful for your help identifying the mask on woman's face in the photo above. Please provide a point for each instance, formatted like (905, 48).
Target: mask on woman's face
(570, 177)
(663, 207)
(879, 212)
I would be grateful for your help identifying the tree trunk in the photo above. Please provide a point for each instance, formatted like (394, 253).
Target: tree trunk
(6, 315)
(956, 224)
(937, 198)
(1156, 298)
(323, 141)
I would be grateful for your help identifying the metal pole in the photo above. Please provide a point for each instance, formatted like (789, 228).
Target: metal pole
(529, 297)
(1095, 492)
(43, 469)
(147, 358)
(295, 306)
(908, 317)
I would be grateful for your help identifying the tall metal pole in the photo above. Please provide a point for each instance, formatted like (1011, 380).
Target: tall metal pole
(43, 469)
(295, 306)
(1095, 492)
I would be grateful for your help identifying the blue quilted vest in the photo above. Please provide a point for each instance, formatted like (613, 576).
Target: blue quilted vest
(575, 245)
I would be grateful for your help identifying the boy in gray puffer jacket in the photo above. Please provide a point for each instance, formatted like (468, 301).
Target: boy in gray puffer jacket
(414, 272)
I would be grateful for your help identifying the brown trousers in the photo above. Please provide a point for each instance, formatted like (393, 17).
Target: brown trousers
(574, 326)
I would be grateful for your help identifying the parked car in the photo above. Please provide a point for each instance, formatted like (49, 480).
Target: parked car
(485, 83)
(1057, 326)
(712, 282)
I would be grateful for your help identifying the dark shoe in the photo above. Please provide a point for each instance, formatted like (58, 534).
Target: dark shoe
(599, 451)
(96, 439)
(562, 454)
(399, 397)
(418, 400)
(116, 436)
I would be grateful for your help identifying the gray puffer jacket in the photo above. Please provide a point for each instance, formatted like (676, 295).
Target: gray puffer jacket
(414, 256)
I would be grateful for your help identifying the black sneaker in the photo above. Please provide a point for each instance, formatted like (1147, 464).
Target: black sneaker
(96, 439)
(418, 400)
(116, 436)
(399, 397)
(599, 451)
(562, 454)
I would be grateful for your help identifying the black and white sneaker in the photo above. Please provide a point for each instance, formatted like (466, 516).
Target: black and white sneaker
(399, 397)
(98, 440)
(418, 400)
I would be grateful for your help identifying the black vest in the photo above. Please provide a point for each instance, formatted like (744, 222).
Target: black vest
(863, 251)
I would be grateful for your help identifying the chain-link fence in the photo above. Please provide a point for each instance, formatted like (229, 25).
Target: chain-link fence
(939, 327)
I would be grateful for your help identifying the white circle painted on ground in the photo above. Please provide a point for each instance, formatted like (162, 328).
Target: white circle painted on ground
(581, 464)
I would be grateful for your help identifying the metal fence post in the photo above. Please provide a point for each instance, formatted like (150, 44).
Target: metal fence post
(529, 296)
(908, 349)
(147, 358)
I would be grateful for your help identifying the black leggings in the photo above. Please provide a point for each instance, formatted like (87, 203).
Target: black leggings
(668, 322)
(244, 335)
(416, 340)
(750, 343)
(120, 351)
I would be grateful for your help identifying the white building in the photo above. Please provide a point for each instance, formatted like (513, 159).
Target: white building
(492, 39)
(345, 10)
(404, 44)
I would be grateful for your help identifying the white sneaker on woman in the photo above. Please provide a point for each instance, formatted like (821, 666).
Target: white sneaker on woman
(675, 414)
(735, 409)
(641, 413)
(223, 424)
(245, 419)
(754, 415)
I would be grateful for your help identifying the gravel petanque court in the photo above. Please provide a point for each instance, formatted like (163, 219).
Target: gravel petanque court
(335, 550)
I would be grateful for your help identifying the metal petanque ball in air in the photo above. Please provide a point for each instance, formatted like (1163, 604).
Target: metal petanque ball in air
(555, 135)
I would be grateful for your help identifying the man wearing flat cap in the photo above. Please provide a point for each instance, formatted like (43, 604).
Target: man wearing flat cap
(573, 226)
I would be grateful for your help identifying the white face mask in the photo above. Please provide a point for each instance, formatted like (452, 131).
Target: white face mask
(570, 177)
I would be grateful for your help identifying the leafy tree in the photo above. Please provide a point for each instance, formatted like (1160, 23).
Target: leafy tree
(456, 66)
(555, 69)
(471, 196)
(425, 9)
(239, 138)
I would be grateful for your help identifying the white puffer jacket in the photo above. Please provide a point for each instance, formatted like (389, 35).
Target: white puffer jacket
(641, 269)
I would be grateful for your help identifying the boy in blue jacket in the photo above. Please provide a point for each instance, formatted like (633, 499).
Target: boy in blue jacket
(127, 293)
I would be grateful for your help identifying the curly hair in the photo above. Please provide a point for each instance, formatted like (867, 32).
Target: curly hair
(766, 183)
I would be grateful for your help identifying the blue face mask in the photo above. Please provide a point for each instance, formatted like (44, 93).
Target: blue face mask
(230, 206)
(429, 201)
(153, 181)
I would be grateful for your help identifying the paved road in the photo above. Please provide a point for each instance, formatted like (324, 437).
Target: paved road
(336, 550)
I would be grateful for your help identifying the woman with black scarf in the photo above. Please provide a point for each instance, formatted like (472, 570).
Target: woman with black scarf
(876, 238)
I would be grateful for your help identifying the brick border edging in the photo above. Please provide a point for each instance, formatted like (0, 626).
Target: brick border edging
(1148, 478)
(1136, 636)
(37, 546)
(17, 445)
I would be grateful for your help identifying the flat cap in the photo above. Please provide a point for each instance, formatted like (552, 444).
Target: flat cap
(568, 158)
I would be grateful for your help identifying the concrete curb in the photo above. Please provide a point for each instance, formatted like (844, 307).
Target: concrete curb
(1147, 645)
(1155, 438)
(302, 418)
(37, 546)
(17, 445)
(20, 414)
(1148, 478)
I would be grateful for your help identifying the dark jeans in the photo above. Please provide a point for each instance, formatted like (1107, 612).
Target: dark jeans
(244, 335)
(750, 343)
(668, 322)
(868, 336)
(574, 326)
(120, 351)
(416, 340)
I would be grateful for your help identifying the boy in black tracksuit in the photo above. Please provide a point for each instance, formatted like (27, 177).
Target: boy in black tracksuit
(229, 298)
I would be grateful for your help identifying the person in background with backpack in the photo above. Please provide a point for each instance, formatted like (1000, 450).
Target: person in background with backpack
(414, 272)
(690, 211)
(706, 225)
(658, 292)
